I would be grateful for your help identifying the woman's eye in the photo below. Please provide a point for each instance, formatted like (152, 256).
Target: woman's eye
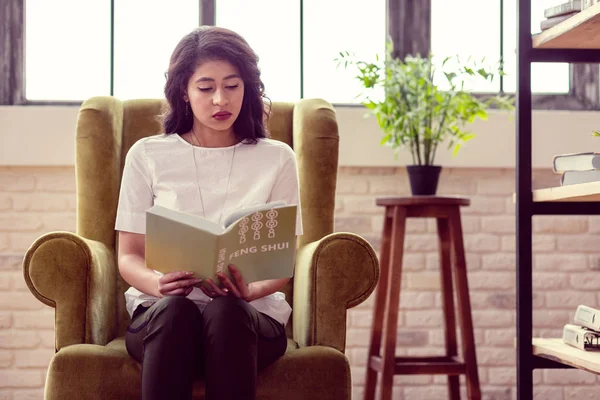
(204, 89)
(231, 87)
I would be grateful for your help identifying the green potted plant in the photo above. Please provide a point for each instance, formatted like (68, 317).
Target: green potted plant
(415, 113)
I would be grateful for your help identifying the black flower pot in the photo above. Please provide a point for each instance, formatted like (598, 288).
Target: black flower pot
(423, 179)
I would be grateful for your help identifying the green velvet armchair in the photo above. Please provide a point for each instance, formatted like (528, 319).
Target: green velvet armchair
(76, 273)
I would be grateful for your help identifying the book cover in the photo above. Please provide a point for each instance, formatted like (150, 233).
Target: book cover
(575, 161)
(576, 177)
(550, 22)
(259, 241)
(588, 317)
(564, 8)
(581, 337)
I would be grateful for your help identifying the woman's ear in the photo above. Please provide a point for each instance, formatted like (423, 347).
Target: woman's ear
(185, 97)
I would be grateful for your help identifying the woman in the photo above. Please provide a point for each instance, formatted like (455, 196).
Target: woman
(213, 158)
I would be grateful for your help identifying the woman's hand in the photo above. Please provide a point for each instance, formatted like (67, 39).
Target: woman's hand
(237, 288)
(177, 283)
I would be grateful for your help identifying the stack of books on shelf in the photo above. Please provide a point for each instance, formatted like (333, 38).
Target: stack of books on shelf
(584, 332)
(560, 12)
(577, 168)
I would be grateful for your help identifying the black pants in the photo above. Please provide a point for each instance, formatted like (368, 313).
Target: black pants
(227, 344)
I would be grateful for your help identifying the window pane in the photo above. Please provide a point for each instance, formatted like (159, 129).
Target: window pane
(467, 28)
(360, 31)
(146, 33)
(272, 28)
(67, 50)
(545, 77)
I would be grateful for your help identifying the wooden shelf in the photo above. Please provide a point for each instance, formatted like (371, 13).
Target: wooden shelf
(581, 31)
(580, 192)
(556, 350)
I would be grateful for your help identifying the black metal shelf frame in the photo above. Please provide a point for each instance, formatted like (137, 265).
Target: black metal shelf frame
(526, 208)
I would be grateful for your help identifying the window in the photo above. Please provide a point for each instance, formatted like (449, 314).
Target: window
(456, 31)
(69, 59)
(467, 28)
(67, 51)
(361, 30)
(146, 33)
(272, 29)
(545, 77)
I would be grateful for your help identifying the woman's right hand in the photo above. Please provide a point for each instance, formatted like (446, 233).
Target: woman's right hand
(177, 283)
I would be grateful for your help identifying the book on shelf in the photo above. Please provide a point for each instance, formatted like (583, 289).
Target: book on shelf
(259, 241)
(581, 337)
(568, 7)
(575, 161)
(550, 22)
(584, 332)
(576, 177)
(587, 317)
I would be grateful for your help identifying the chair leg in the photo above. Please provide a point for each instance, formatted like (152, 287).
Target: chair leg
(444, 245)
(393, 302)
(380, 303)
(464, 306)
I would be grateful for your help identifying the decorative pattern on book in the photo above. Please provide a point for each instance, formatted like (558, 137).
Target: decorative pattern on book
(272, 222)
(243, 229)
(221, 260)
(257, 225)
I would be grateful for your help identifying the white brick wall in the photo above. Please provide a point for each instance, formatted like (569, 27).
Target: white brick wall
(566, 263)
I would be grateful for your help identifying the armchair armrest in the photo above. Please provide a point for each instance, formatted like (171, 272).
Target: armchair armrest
(332, 274)
(77, 277)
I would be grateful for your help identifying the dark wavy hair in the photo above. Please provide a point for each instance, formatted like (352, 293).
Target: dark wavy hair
(211, 43)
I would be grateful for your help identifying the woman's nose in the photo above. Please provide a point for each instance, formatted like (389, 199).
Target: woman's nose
(220, 98)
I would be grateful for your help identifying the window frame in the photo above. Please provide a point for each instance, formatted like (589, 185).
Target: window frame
(408, 24)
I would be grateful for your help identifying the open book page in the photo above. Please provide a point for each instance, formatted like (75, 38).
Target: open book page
(238, 214)
(178, 241)
(192, 220)
(261, 244)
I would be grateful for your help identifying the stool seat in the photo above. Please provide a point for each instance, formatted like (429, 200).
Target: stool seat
(446, 211)
(422, 201)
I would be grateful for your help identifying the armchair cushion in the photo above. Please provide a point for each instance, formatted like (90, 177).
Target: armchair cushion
(93, 372)
(332, 274)
(77, 276)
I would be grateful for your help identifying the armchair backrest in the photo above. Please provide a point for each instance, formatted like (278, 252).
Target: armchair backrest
(108, 127)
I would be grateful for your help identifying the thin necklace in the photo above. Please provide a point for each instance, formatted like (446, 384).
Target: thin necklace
(198, 180)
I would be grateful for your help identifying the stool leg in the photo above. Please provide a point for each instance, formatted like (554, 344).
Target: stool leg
(380, 302)
(393, 302)
(464, 306)
(444, 245)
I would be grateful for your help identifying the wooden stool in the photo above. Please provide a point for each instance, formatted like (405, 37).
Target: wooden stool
(449, 229)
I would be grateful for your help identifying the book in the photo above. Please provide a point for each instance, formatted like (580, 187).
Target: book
(564, 8)
(581, 337)
(587, 317)
(259, 241)
(575, 161)
(550, 22)
(576, 177)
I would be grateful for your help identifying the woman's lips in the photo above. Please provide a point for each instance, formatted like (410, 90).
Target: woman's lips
(221, 116)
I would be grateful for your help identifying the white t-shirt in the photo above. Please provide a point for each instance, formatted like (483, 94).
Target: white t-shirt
(160, 170)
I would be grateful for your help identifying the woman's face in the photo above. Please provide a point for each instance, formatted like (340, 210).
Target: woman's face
(215, 92)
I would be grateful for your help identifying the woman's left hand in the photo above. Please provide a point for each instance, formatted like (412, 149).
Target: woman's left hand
(237, 288)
